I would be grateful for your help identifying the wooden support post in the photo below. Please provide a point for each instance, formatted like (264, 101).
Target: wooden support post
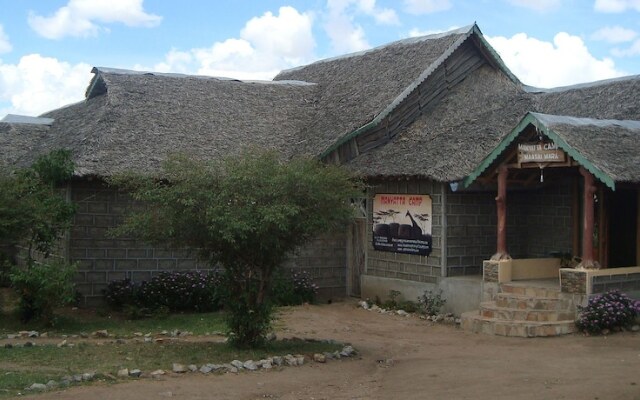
(588, 221)
(501, 203)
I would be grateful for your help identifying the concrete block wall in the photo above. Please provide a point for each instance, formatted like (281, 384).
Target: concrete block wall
(102, 258)
(426, 269)
(471, 230)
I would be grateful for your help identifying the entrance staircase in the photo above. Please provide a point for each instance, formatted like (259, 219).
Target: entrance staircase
(524, 309)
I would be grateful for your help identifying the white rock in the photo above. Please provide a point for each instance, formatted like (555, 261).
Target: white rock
(277, 360)
(88, 376)
(38, 386)
(402, 313)
(178, 368)
(192, 367)
(52, 384)
(238, 364)
(205, 369)
(250, 365)
(123, 373)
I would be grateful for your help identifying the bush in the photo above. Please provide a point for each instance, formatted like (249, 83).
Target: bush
(172, 291)
(43, 287)
(431, 302)
(294, 288)
(610, 310)
(121, 293)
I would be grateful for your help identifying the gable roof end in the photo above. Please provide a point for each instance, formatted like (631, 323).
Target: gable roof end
(609, 149)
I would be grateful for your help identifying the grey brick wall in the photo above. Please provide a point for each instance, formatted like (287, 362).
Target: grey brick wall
(407, 266)
(471, 228)
(102, 259)
(622, 282)
(539, 222)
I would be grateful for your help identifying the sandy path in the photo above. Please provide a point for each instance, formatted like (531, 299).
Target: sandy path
(408, 358)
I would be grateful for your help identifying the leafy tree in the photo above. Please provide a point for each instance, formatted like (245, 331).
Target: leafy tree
(247, 213)
(34, 213)
(32, 210)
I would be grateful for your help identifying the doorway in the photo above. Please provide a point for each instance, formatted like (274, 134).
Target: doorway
(623, 228)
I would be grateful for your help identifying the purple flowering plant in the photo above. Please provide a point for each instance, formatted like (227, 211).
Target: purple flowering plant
(610, 310)
(176, 291)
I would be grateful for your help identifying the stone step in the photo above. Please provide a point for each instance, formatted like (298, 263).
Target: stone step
(472, 321)
(531, 291)
(527, 302)
(492, 310)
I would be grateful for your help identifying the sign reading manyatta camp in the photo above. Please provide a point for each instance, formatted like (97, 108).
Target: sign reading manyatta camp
(402, 223)
(540, 153)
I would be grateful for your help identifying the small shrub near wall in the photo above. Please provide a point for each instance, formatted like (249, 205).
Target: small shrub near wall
(196, 291)
(294, 288)
(608, 311)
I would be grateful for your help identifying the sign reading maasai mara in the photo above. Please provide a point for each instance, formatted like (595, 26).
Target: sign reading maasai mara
(539, 153)
(402, 223)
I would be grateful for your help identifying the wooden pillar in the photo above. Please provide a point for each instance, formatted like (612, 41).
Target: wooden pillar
(501, 204)
(588, 221)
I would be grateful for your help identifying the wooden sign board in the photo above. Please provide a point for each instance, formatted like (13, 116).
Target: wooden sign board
(540, 153)
(402, 223)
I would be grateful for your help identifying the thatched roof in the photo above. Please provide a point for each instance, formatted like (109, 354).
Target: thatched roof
(611, 146)
(133, 121)
(355, 88)
(608, 99)
(448, 143)
(20, 140)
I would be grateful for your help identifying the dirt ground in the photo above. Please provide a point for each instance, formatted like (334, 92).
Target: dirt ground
(409, 358)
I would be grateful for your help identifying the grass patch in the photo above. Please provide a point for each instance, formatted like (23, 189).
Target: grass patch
(70, 322)
(21, 367)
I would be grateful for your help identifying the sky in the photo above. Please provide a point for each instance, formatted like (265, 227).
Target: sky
(47, 48)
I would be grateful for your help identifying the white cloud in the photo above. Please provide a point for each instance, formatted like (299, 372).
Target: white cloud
(537, 5)
(37, 84)
(345, 34)
(383, 16)
(616, 6)
(5, 44)
(267, 44)
(82, 18)
(614, 34)
(419, 7)
(566, 61)
(633, 50)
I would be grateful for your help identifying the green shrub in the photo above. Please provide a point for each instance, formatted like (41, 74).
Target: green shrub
(431, 302)
(610, 310)
(43, 287)
(294, 288)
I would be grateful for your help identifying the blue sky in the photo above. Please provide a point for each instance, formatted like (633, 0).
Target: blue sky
(47, 48)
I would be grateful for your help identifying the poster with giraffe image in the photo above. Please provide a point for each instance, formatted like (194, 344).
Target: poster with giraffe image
(402, 223)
